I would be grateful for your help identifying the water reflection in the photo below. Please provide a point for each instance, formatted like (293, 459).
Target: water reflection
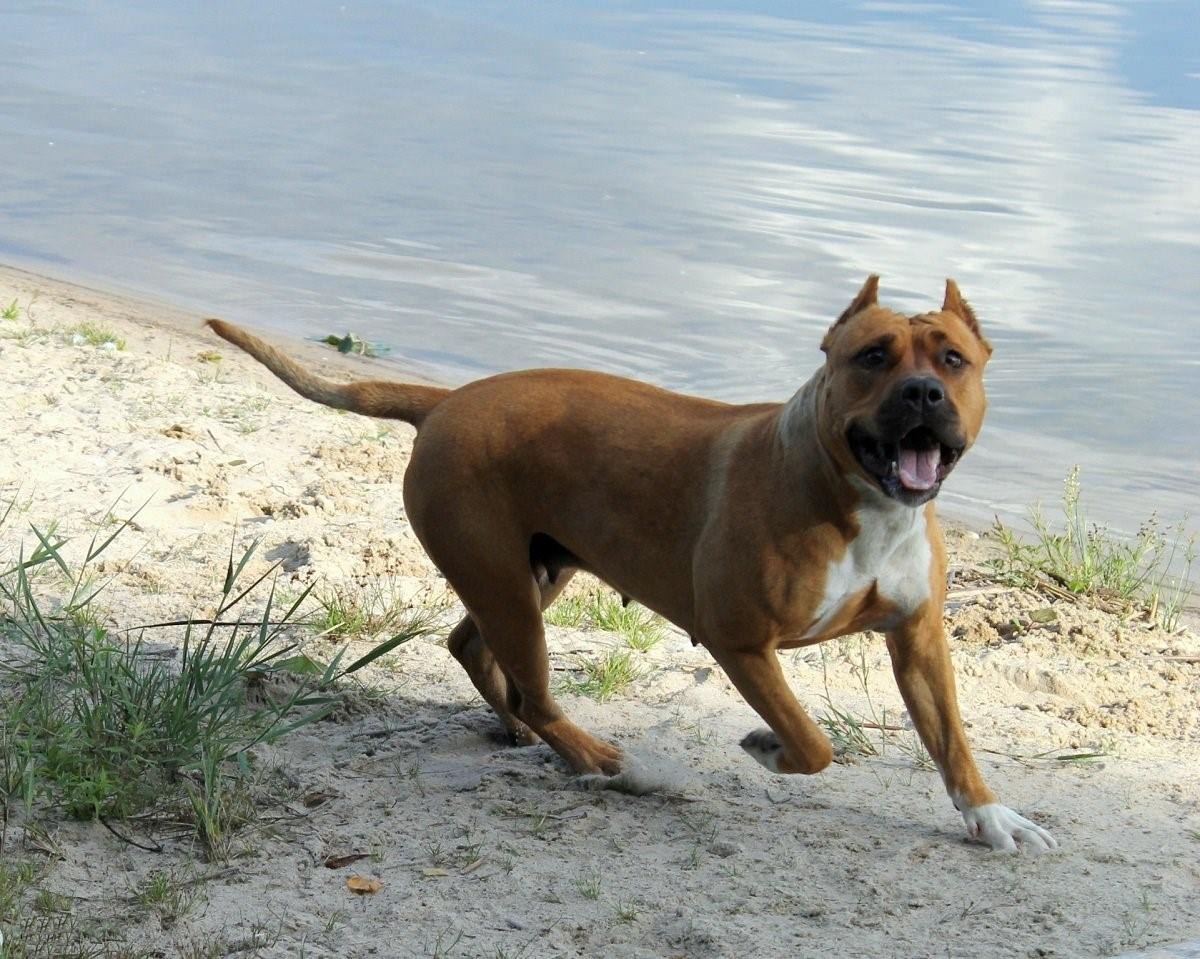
(685, 197)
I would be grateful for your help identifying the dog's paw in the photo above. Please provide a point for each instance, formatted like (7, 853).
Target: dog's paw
(1006, 831)
(765, 747)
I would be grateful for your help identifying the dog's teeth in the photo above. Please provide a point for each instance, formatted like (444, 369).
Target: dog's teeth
(893, 468)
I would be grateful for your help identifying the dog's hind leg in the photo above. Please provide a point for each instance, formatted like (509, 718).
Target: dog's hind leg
(485, 554)
(507, 608)
(467, 646)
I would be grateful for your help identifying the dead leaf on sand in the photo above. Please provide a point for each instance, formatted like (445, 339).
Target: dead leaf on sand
(317, 798)
(362, 886)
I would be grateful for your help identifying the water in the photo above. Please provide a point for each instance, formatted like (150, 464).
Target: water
(685, 197)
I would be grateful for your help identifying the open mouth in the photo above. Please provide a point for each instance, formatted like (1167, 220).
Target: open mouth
(910, 469)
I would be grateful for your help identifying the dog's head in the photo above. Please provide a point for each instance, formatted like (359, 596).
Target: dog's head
(903, 396)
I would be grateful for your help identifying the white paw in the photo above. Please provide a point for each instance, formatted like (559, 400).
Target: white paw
(765, 747)
(1005, 830)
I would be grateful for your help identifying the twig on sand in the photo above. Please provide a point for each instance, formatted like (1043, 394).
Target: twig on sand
(972, 591)
(127, 839)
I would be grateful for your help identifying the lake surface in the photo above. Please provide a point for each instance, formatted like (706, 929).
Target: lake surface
(688, 197)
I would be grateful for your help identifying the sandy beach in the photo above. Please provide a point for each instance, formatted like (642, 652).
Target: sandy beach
(482, 849)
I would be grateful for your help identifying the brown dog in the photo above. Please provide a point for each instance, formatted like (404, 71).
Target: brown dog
(754, 528)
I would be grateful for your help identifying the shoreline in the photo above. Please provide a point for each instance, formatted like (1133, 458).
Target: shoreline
(161, 321)
(502, 846)
(158, 316)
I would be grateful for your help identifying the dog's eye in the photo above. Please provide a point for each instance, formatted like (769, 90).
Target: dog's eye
(872, 358)
(954, 360)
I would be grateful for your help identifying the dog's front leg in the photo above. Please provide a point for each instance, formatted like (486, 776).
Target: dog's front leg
(925, 675)
(794, 743)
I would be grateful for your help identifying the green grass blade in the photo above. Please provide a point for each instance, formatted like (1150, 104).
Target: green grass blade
(51, 550)
(249, 589)
(93, 550)
(381, 650)
(232, 572)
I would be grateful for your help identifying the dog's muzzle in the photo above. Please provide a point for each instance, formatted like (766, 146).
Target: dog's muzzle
(913, 443)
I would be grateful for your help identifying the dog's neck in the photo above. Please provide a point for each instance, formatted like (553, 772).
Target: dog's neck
(808, 459)
(806, 456)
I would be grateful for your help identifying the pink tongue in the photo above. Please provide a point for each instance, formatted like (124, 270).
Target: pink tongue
(918, 468)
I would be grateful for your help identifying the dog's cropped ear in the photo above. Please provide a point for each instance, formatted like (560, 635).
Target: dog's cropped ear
(867, 296)
(956, 304)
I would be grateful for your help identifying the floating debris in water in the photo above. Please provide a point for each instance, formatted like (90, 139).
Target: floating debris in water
(352, 343)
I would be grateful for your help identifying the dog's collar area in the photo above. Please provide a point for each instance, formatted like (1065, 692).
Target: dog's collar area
(910, 469)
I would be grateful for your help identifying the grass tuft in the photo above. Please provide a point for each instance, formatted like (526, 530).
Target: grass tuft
(10, 312)
(165, 894)
(1151, 572)
(846, 733)
(248, 415)
(357, 611)
(853, 735)
(37, 923)
(101, 725)
(93, 334)
(627, 911)
(641, 629)
(370, 612)
(589, 885)
(604, 677)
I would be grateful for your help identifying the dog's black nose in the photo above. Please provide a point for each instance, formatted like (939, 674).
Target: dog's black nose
(923, 393)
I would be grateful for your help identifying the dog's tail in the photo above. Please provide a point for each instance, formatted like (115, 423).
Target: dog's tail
(397, 401)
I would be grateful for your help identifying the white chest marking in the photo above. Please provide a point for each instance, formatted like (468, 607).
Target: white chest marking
(891, 551)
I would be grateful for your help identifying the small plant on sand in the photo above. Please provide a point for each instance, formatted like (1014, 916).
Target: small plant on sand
(103, 726)
(639, 627)
(220, 802)
(446, 942)
(589, 885)
(93, 334)
(372, 612)
(1151, 571)
(603, 677)
(570, 612)
(16, 879)
(20, 334)
(37, 923)
(847, 731)
(602, 609)
(246, 415)
(339, 615)
(164, 893)
(352, 611)
(852, 734)
(10, 312)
